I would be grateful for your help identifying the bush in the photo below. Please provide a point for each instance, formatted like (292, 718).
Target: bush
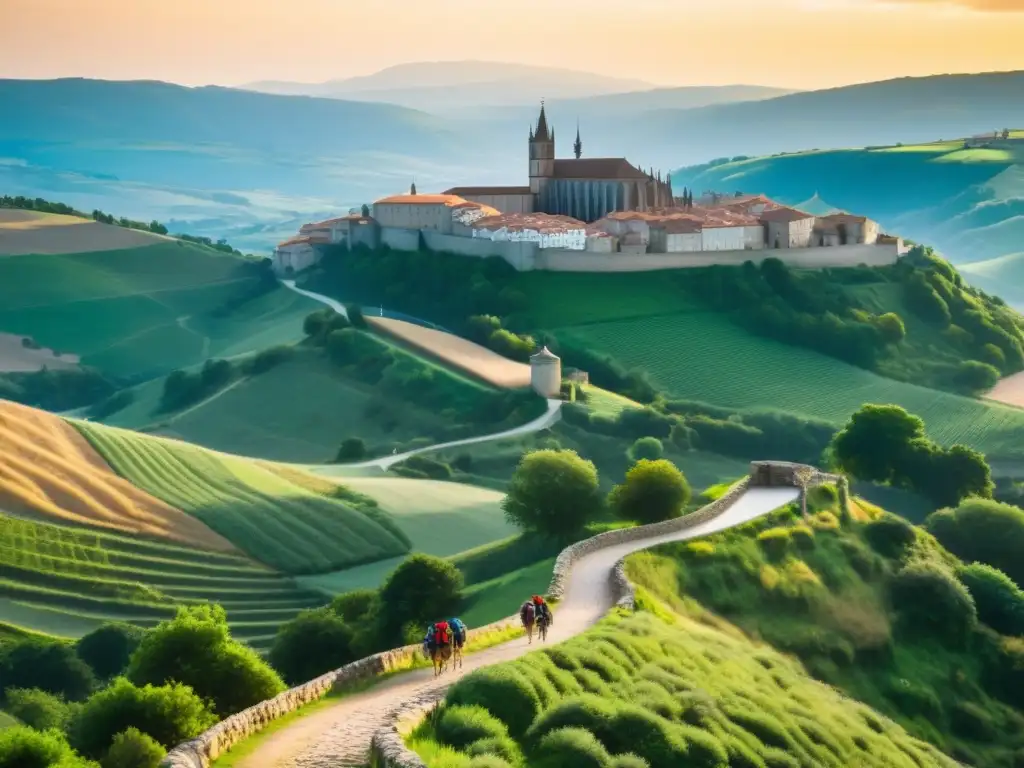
(313, 643)
(51, 666)
(108, 649)
(133, 749)
(890, 536)
(503, 692)
(170, 714)
(586, 711)
(649, 448)
(929, 599)
(424, 466)
(999, 601)
(553, 493)
(973, 377)
(985, 532)
(195, 648)
(355, 316)
(570, 747)
(37, 709)
(352, 449)
(270, 358)
(653, 491)
(461, 726)
(775, 541)
(353, 607)
(891, 327)
(420, 590)
(23, 747)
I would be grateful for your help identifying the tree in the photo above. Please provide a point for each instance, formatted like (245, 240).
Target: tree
(352, 449)
(313, 643)
(355, 316)
(479, 328)
(422, 589)
(195, 648)
(653, 491)
(24, 747)
(983, 531)
(956, 474)
(552, 492)
(930, 600)
(875, 442)
(649, 448)
(1000, 602)
(51, 666)
(973, 376)
(36, 708)
(108, 649)
(891, 327)
(133, 749)
(365, 211)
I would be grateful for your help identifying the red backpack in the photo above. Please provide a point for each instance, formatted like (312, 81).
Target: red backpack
(441, 632)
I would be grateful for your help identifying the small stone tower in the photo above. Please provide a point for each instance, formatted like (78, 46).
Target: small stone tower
(542, 155)
(546, 373)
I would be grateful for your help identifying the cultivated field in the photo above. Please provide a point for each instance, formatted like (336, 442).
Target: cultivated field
(277, 522)
(67, 581)
(702, 356)
(1009, 390)
(48, 471)
(466, 356)
(606, 403)
(31, 232)
(15, 357)
(145, 310)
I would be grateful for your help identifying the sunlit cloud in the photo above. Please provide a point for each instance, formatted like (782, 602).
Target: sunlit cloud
(993, 6)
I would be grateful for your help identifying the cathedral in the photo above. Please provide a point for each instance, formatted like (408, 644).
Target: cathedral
(586, 189)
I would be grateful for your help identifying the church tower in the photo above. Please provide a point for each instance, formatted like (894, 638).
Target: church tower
(542, 158)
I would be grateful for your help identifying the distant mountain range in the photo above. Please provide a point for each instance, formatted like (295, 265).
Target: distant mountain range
(239, 162)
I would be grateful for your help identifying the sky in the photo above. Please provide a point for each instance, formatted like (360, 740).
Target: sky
(790, 43)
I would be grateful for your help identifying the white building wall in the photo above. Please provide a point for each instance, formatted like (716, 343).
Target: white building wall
(298, 257)
(571, 240)
(546, 378)
(722, 238)
(753, 237)
(800, 232)
(434, 216)
(684, 242)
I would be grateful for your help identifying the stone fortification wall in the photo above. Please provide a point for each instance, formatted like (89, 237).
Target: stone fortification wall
(387, 747)
(400, 239)
(556, 260)
(521, 255)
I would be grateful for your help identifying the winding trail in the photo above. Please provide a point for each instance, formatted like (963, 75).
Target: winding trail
(340, 735)
(334, 304)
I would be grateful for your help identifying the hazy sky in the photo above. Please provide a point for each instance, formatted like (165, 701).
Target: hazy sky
(799, 43)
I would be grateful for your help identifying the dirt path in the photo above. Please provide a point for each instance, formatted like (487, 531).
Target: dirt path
(340, 735)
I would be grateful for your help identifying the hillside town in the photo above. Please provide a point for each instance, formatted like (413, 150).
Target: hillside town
(601, 206)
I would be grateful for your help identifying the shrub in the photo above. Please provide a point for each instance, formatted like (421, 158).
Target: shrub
(890, 536)
(500, 747)
(51, 666)
(170, 714)
(503, 692)
(891, 327)
(352, 449)
(552, 492)
(999, 601)
(24, 747)
(929, 599)
(983, 531)
(653, 738)
(354, 606)
(973, 376)
(649, 448)
(586, 711)
(313, 643)
(425, 466)
(108, 649)
(133, 749)
(461, 726)
(570, 746)
(270, 358)
(420, 590)
(653, 491)
(37, 709)
(355, 315)
(195, 648)
(775, 541)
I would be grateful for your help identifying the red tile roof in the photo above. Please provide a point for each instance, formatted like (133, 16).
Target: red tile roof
(303, 240)
(844, 218)
(784, 214)
(449, 200)
(540, 222)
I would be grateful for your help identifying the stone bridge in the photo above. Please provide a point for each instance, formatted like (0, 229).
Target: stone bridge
(588, 579)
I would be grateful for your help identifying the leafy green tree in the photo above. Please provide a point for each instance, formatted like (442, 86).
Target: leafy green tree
(108, 649)
(649, 448)
(480, 327)
(352, 449)
(170, 714)
(1000, 602)
(133, 749)
(196, 648)
(313, 643)
(653, 491)
(956, 474)
(875, 442)
(24, 747)
(930, 600)
(891, 327)
(51, 666)
(36, 708)
(983, 531)
(355, 316)
(553, 493)
(354, 607)
(974, 377)
(422, 589)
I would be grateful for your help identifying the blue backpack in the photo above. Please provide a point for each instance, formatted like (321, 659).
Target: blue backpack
(457, 625)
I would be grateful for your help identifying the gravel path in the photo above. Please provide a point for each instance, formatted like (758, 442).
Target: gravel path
(340, 735)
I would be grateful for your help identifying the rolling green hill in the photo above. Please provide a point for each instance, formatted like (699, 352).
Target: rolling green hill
(968, 203)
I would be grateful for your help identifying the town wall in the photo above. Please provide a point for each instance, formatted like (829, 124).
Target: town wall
(521, 255)
(365, 235)
(401, 239)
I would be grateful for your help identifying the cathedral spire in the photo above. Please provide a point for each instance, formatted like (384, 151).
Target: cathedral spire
(542, 134)
(577, 147)
(412, 189)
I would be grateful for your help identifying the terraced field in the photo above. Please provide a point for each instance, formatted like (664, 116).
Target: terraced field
(67, 581)
(145, 310)
(275, 521)
(701, 356)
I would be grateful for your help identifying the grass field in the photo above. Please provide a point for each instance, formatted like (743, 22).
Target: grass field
(67, 581)
(605, 403)
(32, 232)
(48, 471)
(669, 690)
(145, 311)
(275, 521)
(702, 356)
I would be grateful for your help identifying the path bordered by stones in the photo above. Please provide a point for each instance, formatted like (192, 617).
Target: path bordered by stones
(340, 735)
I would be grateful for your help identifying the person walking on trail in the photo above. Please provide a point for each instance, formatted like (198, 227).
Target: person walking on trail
(458, 632)
(542, 609)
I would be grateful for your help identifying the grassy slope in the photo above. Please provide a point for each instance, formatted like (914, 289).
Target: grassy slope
(273, 520)
(673, 691)
(67, 581)
(144, 311)
(648, 323)
(825, 601)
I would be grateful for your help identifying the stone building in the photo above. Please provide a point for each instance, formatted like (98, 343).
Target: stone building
(546, 373)
(583, 188)
(851, 229)
(545, 229)
(787, 228)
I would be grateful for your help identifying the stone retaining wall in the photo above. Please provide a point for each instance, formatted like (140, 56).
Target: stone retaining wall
(208, 746)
